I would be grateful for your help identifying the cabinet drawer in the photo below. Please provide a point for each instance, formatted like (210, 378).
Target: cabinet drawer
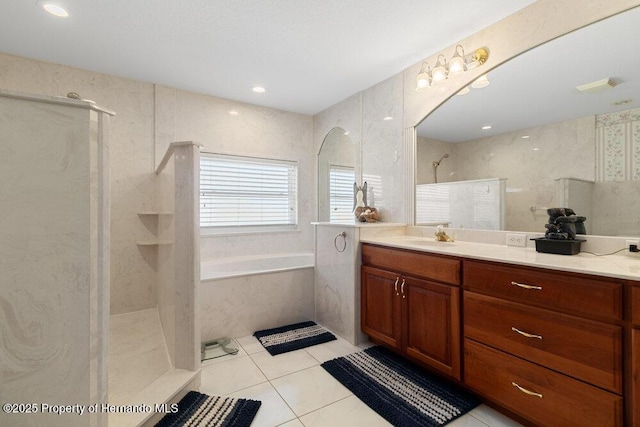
(584, 349)
(442, 269)
(635, 305)
(545, 397)
(593, 297)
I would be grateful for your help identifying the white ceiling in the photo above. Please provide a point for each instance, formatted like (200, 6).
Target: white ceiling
(539, 86)
(309, 54)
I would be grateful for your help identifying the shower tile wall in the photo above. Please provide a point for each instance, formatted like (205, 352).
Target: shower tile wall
(132, 188)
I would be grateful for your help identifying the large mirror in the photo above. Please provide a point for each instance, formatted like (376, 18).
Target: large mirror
(549, 145)
(337, 171)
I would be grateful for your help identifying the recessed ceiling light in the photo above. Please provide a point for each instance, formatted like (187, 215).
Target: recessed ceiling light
(259, 89)
(233, 113)
(53, 8)
(486, 127)
(388, 118)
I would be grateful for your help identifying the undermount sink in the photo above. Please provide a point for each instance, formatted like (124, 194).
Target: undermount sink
(427, 242)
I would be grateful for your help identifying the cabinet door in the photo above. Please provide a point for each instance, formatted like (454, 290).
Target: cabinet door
(635, 367)
(380, 312)
(432, 325)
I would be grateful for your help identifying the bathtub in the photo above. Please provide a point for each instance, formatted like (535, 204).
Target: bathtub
(241, 295)
(222, 268)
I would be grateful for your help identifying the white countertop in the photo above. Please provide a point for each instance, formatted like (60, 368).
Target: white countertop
(623, 266)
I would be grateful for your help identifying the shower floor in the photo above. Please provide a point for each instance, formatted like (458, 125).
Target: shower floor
(137, 354)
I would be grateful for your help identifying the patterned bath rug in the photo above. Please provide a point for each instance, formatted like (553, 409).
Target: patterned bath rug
(199, 410)
(293, 337)
(399, 391)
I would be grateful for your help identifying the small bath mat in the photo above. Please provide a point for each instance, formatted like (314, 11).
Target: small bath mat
(399, 391)
(293, 337)
(199, 410)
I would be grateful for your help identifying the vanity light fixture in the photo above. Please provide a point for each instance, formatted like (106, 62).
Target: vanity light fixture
(54, 8)
(258, 89)
(459, 63)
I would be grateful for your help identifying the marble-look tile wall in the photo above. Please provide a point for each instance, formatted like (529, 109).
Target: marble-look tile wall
(255, 131)
(618, 146)
(53, 252)
(133, 272)
(383, 149)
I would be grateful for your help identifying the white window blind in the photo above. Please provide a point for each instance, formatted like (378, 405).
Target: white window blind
(341, 179)
(244, 191)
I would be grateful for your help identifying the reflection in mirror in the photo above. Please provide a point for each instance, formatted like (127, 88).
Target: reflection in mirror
(551, 144)
(336, 175)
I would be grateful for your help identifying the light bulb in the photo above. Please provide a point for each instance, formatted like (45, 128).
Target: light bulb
(480, 82)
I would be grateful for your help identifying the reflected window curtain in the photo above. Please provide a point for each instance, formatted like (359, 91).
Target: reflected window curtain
(341, 179)
(432, 204)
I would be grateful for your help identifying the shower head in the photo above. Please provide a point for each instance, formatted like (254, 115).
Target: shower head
(438, 162)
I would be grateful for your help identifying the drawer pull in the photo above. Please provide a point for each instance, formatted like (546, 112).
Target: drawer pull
(522, 285)
(395, 286)
(525, 391)
(526, 334)
(402, 289)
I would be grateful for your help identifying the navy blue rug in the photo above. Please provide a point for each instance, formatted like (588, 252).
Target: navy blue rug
(399, 391)
(199, 410)
(293, 337)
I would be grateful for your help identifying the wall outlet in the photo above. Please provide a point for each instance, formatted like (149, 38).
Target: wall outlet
(515, 239)
(629, 243)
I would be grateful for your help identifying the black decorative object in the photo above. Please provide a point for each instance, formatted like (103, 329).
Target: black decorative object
(563, 227)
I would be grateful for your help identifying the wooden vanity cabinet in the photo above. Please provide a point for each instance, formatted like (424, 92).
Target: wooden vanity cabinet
(410, 302)
(634, 399)
(545, 345)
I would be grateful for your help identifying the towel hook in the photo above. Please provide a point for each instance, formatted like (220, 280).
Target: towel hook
(335, 241)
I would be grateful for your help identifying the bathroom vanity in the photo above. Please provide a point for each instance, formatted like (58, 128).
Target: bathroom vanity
(550, 339)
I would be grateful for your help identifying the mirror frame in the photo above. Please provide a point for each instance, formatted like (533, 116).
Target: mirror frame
(503, 46)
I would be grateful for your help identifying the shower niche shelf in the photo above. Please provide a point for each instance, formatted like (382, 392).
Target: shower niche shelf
(153, 213)
(152, 243)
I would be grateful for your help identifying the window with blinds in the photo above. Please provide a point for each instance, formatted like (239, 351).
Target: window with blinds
(341, 179)
(245, 192)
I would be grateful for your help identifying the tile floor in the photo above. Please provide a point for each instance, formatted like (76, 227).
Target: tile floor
(296, 391)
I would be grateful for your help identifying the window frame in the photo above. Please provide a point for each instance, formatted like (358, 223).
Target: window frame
(293, 225)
